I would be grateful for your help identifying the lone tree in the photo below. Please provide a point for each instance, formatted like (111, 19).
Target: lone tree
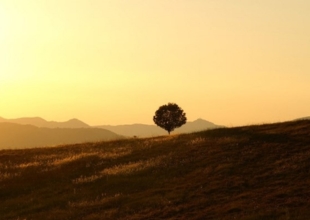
(169, 117)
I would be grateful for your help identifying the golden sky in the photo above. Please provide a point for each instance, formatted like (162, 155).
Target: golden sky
(116, 61)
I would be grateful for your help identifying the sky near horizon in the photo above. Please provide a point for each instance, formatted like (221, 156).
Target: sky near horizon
(116, 61)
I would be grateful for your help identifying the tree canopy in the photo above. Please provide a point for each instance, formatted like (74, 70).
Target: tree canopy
(169, 117)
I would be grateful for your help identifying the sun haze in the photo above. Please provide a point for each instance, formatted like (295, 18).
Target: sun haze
(116, 62)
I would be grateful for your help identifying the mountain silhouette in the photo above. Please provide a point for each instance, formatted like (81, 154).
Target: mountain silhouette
(37, 132)
(41, 123)
(142, 130)
(14, 135)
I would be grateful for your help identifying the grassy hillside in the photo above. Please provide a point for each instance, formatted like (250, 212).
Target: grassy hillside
(253, 172)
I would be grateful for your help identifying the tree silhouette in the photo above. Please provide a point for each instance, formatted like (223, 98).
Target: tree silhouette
(169, 117)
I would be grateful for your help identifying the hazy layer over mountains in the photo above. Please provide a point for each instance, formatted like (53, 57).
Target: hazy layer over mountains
(27, 136)
(141, 130)
(37, 132)
(41, 123)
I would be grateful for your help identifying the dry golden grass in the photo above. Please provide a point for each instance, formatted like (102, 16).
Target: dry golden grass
(252, 172)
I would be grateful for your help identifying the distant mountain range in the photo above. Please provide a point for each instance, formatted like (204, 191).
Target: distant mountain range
(37, 132)
(41, 123)
(28, 136)
(141, 130)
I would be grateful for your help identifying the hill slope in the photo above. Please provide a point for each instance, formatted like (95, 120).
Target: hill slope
(303, 118)
(27, 136)
(254, 172)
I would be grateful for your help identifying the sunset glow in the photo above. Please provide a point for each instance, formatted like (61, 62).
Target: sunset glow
(115, 62)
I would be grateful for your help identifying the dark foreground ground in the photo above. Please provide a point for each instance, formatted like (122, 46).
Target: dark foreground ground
(253, 172)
